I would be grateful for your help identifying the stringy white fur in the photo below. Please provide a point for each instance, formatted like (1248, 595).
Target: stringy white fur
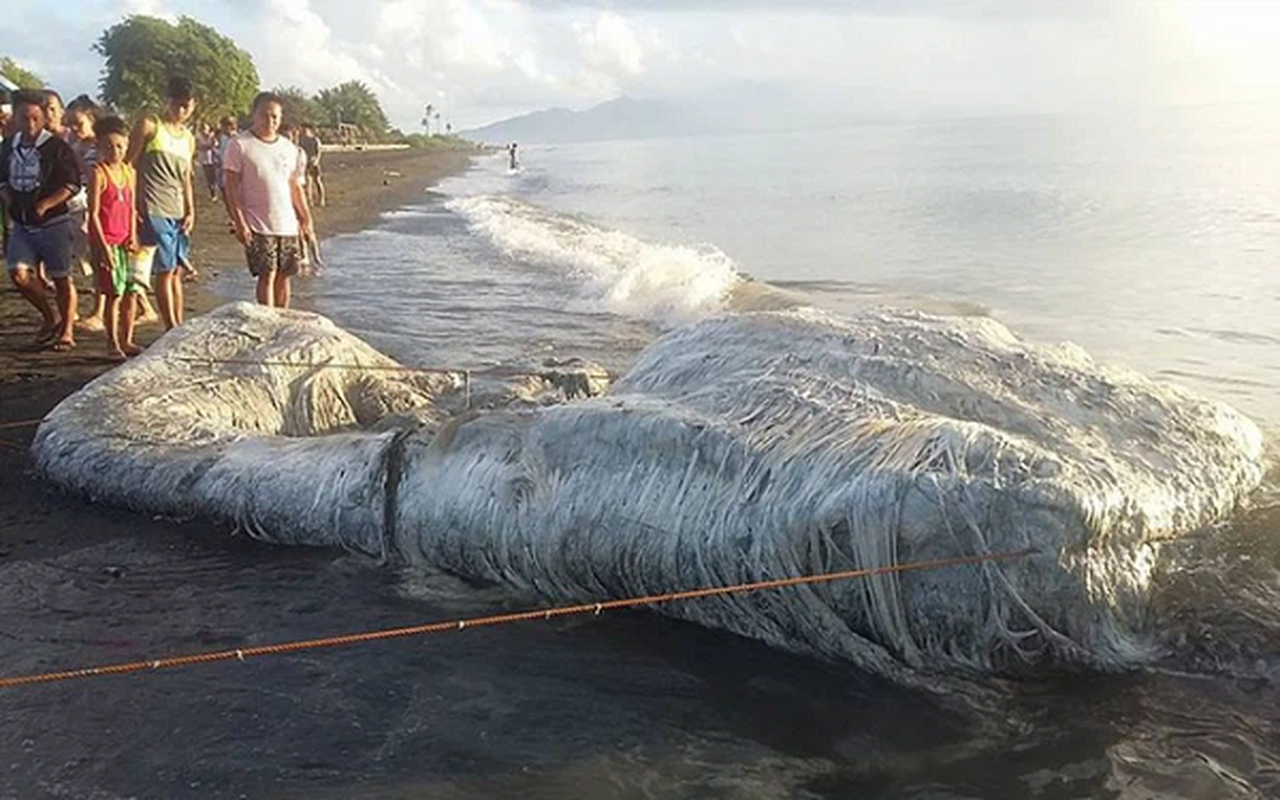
(742, 448)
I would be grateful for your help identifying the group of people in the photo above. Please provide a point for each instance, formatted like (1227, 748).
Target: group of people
(79, 185)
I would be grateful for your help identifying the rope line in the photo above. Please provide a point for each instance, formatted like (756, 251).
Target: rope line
(22, 423)
(243, 653)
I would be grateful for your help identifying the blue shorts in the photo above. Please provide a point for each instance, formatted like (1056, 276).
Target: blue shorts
(166, 236)
(51, 244)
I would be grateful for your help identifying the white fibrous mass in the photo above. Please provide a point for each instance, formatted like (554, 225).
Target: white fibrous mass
(745, 447)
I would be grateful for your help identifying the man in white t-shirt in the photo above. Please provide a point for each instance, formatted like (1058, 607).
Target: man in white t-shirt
(266, 200)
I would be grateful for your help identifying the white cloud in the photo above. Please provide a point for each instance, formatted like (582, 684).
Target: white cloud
(610, 42)
(478, 60)
(150, 8)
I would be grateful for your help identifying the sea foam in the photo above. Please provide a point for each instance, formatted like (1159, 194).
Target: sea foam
(665, 284)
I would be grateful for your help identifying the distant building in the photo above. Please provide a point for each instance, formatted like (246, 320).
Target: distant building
(8, 84)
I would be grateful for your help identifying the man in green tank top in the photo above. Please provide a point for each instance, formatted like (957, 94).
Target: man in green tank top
(163, 152)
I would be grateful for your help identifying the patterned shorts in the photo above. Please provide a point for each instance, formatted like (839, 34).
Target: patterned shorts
(121, 272)
(279, 254)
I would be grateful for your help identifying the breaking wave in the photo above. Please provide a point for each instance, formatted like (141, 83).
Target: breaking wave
(746, 447)
(665, 284)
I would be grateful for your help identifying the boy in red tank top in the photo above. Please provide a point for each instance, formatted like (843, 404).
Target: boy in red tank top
(113, 233)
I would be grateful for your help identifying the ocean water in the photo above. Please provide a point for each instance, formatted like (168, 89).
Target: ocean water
(1150, 241)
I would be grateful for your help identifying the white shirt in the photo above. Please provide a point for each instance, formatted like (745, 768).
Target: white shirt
(268, 172)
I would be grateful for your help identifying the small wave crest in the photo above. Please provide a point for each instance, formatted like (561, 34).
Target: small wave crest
(661, 283)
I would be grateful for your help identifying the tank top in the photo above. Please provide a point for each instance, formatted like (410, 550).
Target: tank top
(115, 206)
(163, 171)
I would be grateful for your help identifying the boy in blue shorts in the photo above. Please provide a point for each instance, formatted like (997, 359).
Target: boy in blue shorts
(163, 149)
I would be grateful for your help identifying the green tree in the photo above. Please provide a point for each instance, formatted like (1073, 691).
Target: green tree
(299, 108)
(142, 53)
(353, 103)
(25, 78)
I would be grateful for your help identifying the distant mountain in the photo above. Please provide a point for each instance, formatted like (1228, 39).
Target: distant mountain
(623, 118)
(729, 109)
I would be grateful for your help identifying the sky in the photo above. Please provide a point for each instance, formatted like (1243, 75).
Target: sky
(478, 61)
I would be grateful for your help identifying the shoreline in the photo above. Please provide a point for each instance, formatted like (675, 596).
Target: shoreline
(37, 522)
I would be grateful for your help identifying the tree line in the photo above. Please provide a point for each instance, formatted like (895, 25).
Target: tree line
(141, 52)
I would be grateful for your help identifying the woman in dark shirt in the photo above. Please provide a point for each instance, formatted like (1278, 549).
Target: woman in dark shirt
(38, 175)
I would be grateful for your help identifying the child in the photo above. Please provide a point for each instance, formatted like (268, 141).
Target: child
(79, 118)
(113, 229)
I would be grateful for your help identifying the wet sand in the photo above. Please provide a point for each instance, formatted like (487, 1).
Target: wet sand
(591, 707)
(35, 523)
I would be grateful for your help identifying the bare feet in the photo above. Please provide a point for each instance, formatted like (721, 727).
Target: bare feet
(63, 346)
(117, 354)
(130, 349)
(93, 323)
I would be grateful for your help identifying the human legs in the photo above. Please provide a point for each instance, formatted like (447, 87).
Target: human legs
(135, 296)
(169, 297)
(31, 288)
(282, 290)
(146, 312)
(273, 260)
(65, 291)
(211, 180)
(23, 259)
(178, 296)
(128, 313)
(49, 245)
(165, 236)
(112, 325)
(94, 322)
(315, 185)
(113, 279)
(265, 290)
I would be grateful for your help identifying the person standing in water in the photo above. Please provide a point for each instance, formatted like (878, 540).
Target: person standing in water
(515, 164)
(267, 201)
(163, 151)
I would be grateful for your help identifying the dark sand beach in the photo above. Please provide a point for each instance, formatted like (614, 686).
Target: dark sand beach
(35, 523)
(620, 705)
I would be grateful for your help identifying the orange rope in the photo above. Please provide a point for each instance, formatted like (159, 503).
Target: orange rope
(243, 653)
(22, 423)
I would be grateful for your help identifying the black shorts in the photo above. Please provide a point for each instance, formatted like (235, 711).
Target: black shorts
(279, 254)
(313, 169)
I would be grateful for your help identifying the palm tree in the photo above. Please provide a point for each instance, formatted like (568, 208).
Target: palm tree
(426, 120)
(353, 102)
